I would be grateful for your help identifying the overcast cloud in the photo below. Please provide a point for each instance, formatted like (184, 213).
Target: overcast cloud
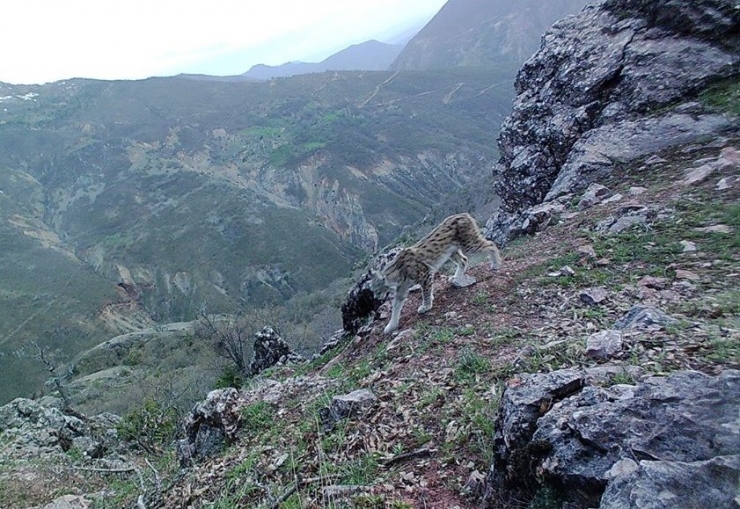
(50, 40)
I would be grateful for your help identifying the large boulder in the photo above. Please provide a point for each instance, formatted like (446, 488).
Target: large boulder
(674, 438)
(615, 83)
(36, 430)
(212, 425)
(271, 349)
(361, 304)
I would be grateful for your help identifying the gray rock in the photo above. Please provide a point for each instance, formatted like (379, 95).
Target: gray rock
(627, 440)
(346, 406)
(697, 175)
(211, 425)
(269, 350)
(630, 217)
(463, 282)
(675, 485)
(593, 296)
(610, 85)
(654, 159)
(604, 344)
(36, 430)
(69, 502)
(688, 246)
(593, 195)
(642, 317)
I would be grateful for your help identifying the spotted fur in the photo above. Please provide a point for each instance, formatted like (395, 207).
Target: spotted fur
(452, 239)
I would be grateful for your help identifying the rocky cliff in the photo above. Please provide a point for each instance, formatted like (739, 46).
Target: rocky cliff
(619, 81)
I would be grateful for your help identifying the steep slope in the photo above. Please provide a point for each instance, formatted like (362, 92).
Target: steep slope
(488, 33)
(365, 56)
(426, 438)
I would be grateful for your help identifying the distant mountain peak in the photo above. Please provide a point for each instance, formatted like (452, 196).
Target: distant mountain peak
(482, 33)
(370, 55)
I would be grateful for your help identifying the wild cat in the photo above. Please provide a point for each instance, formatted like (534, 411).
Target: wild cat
(450, 240)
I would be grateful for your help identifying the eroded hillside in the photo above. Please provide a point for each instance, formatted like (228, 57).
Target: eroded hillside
(127, 204)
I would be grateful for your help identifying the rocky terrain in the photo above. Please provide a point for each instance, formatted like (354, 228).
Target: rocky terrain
(599, 368)
(562, 377)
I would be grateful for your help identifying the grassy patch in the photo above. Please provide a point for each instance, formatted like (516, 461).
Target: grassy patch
(724, 96)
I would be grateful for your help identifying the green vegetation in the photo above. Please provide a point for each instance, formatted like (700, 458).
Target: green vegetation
(151, 426)
(724, 96)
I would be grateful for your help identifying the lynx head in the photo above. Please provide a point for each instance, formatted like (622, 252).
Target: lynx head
(378, 284)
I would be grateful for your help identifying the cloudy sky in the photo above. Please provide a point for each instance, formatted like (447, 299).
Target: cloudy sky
(49, 40)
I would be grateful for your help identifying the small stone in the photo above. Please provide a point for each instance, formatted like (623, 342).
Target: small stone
(567, 271)
(593, 296)
(686, 274)
(688, 246)
(604, 344)
(722, 185)
(625, 222)
(642, 317)
(697, 175)
(658, 283)
(622, 467)
(637, 190)
(731, 154)
(717, 228)
(654, 159)
(593, 195)
(587, 251)
(612, 199)
(463, 281)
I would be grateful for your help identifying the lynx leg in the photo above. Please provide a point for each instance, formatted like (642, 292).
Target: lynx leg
(398, 300)
(494, 256)
(461, 263)
(427, 295)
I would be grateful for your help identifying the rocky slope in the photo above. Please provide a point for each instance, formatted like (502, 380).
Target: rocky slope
(598, 368)
(482, 33)
(610, 85)
(509, 392)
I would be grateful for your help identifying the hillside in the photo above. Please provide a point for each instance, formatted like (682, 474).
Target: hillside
(487, 33)
(126, 204)
(427, 438)
(599, 368)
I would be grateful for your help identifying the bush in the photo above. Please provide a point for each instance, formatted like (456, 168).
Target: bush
(150, 426)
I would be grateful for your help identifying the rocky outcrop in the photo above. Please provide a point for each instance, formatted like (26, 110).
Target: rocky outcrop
(361, 303)
(37, 431)
(617, 82)
(211, 425)
(271, 349)
(664, 442)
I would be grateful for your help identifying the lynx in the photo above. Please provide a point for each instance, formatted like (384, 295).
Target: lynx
(450, 240)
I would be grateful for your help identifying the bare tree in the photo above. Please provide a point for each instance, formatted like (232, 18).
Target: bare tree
(58, 372)
(229, 338)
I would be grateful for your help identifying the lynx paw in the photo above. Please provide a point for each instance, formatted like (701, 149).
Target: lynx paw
(424, 308)
(390, 328)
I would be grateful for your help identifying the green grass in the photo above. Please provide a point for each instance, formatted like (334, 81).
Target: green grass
(258, 417)
(471, 364)
(724, 96)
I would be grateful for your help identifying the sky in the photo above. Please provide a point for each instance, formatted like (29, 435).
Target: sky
(50, 40)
